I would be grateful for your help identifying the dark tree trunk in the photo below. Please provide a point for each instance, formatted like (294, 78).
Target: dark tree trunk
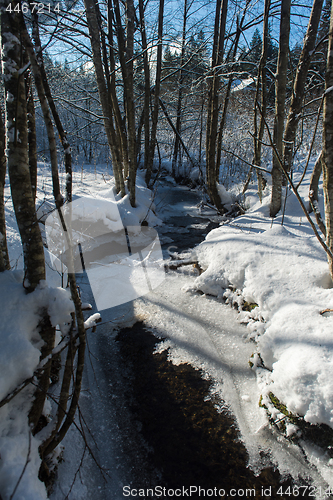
(327, 156)
(17, 152)
(156, 94)
(180, 94)
(299, 85)
(261, 91)
(213, 101)
(280, 101)
(146, 106)
(4, 258)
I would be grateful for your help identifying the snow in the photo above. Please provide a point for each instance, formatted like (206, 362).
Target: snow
(20, 341)
(283, 269)
(20, 345)
(253, 259)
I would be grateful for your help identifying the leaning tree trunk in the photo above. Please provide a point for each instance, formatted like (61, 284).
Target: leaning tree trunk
(47, 331)
(261, 91)
(17, 152)
(146, 106)
(213, 101)
(239, 31)
(299, 85)
(156, 95)
(280, 100)
(327, 156)
(4, 258)
(180, 94)
(130, 107)
(114, 145)
(313, 192)
(62, 134)
(32, 137)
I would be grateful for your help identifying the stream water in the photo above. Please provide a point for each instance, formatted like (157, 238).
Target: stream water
(169, 404)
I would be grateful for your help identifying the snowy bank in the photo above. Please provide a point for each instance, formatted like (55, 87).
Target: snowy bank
(20, 341)
(20, 345)
(280, 273)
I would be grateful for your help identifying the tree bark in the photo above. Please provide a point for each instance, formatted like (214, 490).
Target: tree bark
(17, 151)
(146, 106)
(103, 94)
(180, 94)
(213, 101)
(280, 101)
(156, 94)
(228, 91)
(299, 85)
(62, 134)
(313, 192)
(261, 90)
(327, 157)
(130, 107)
(4, 258)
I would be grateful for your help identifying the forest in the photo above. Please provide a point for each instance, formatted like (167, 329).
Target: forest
(117, 117)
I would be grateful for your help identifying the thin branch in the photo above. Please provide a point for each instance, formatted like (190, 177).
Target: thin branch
(286, 173)
(24, 468)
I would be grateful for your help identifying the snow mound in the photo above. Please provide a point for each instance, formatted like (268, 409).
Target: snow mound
(284, 271)
(20, 345)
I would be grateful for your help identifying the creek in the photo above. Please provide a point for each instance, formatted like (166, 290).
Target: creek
(169, 404)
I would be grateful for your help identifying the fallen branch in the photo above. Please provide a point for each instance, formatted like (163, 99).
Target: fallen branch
(325, 311)
(174, 264)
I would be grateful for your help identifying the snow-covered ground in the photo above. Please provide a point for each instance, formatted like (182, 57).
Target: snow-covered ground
(20, 341)
(281, 268)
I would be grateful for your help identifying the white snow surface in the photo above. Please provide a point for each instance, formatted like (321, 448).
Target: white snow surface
(19, 357)
(284, 270)
(20, 341)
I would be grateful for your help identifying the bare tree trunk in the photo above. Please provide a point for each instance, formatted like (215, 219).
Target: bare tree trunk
(261, 90)
(130, 107)
(327, 157)
(17, 152)
(22, 194)
(213, 101)
(181, 142)
(299, 85)
(45, 110)
(280, 101)
(156, 94)
(111, 85)
(228, 91)
(4, 258)
(103, 94)
(180, 93)
(313, 192)
(32, 138)
(62, 134)
(146, 106)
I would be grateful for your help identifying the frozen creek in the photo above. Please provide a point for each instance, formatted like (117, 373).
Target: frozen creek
(187, 415)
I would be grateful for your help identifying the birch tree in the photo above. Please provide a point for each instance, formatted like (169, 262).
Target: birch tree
(17, 150)
(157, 88)
(261, 93)
(327, 154)
(295, 108)
(4, 258)
(280, 101)
(213, 101)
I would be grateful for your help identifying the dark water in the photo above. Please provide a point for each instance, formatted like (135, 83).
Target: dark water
(170, 433)
(192, 441)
